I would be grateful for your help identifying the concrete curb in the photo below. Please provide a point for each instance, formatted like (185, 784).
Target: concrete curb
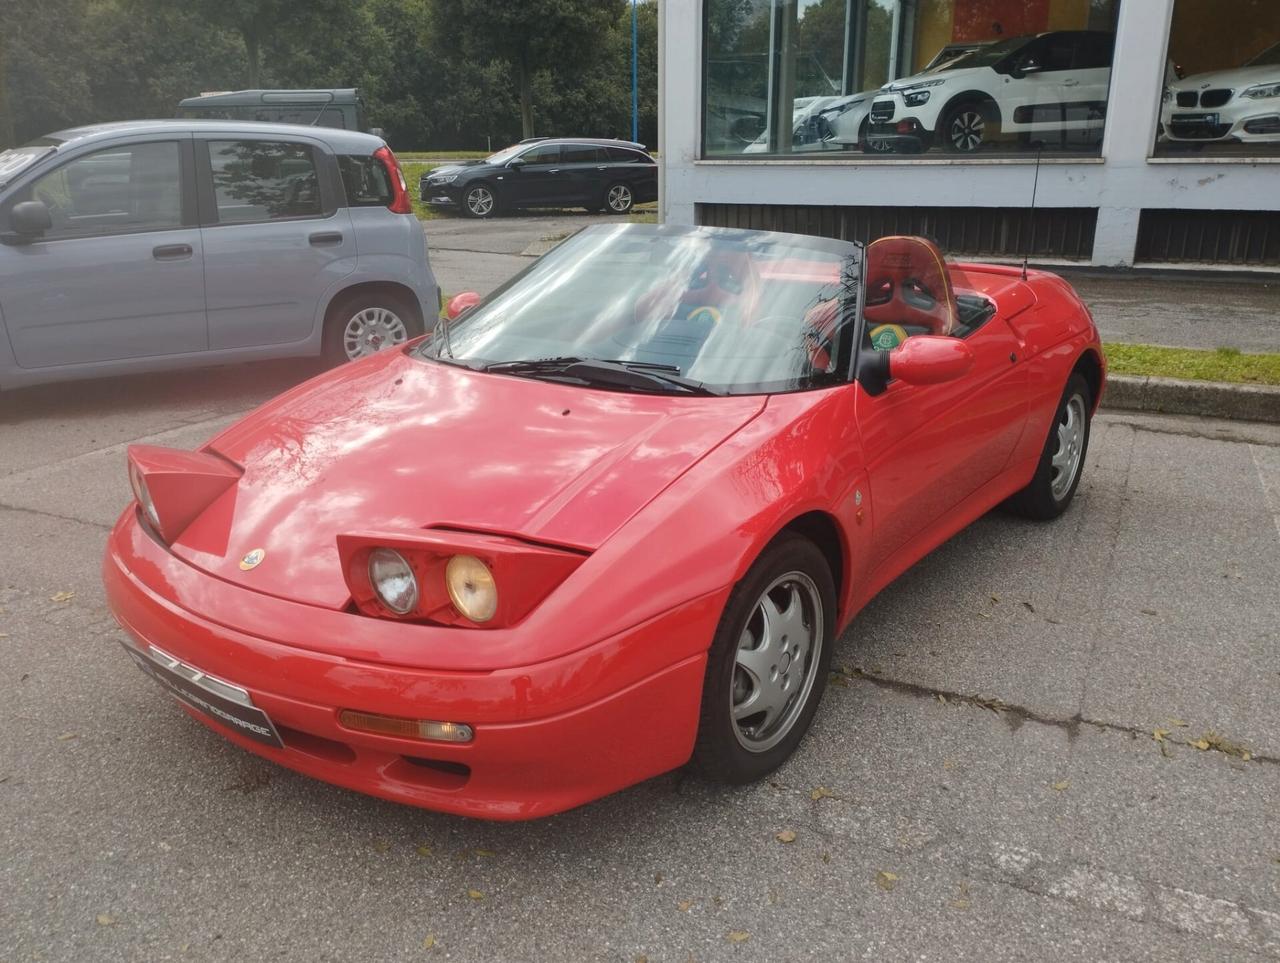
(1209, 399)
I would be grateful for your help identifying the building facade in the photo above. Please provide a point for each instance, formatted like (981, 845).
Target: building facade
(1148, 131)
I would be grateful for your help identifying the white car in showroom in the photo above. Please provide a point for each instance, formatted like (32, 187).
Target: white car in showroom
(1050, 87)
(824, 123)
(1226, 105)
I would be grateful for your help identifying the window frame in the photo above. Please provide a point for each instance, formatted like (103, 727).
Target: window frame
(20, 189)
(329, 180)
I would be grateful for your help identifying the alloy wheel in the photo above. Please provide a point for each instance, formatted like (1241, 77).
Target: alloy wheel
(1065, 461)
(967, 130)
(370, 330)
(619, 198)
(480, 201)
(776, 662)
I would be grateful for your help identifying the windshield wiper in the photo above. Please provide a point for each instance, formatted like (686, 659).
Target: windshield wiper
(640, 375)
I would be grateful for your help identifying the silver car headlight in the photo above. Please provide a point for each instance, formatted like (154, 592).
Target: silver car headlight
(442, 179)
(393, 580)
(1261, 91)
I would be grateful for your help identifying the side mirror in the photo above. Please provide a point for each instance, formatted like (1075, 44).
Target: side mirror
(29, 220)
(516, 163)
(460, 304)
(930, 360)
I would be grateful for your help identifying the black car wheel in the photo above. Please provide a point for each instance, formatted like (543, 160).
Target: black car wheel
(478, 200)
(768, 663)
(618, 199)
(968, 126)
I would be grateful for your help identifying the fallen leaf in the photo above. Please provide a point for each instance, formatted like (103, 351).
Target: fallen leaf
(381, 845)
(657, 879)
(995, 705)
(786, 836)
(1179, 723)
(886, 880)
(995, 598)
(475, 894)
(642, 959)
(948, 764)
(62, 596)
(738, 936)
(485, 852)
(821, 792)
(826, 857)
(1052, 621)
(429, 941)
(962, 900)
(1159, 734)
(423, 850)
(684, 905)
(1199, 744)
(941, 698)
(1148, 611)
(105, 920)
(839, 680)
(1062, 784)
(67, 736)
(1029, 607)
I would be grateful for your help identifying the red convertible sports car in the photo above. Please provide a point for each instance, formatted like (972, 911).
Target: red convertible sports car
(608, 520)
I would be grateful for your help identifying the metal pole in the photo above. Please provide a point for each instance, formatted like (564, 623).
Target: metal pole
(635, 75)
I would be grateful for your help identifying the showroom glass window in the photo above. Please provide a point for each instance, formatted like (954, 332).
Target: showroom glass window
(258, 180)
(971, 78)
(1222, 86)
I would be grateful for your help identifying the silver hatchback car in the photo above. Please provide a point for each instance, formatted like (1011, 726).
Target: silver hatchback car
(152, 245)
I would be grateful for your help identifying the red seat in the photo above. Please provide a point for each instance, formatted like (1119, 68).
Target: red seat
(908, 284)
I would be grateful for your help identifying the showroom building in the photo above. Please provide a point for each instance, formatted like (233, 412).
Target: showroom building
(1148, 131)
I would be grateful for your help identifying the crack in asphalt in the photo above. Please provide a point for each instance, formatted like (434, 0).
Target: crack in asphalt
(5, 507)
(1015, 715)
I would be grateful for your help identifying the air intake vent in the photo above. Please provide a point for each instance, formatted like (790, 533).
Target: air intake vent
(1246, 238)
(994, 231)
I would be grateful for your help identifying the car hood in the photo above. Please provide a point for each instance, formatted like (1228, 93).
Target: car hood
(1239, 78)
(400, 444)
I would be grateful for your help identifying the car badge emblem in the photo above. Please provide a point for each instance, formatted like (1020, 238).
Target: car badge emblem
(253, 559)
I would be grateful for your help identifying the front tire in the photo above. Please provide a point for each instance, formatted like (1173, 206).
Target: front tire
(768, 664)
(478, 200)
(968, 127)
(364, 324)
(1062, 461)
(618, 198)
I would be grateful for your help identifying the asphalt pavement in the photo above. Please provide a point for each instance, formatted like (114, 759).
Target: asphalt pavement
(1044, 742)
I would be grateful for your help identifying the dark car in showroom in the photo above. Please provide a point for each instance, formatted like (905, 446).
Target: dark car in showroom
(600, 175)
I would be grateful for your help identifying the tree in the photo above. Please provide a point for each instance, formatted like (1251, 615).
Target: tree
(528, 35)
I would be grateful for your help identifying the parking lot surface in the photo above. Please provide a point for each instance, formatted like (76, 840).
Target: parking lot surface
(1044, 742)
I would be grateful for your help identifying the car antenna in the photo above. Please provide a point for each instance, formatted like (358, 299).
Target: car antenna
(1035, 185)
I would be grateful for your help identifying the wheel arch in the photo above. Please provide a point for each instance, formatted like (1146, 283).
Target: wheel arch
(966, 96)
(394, 288)
(1089, 365)
(823, 530)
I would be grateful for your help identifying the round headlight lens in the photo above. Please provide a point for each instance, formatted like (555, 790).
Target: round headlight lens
(143, 496)
(472, 589)
(393, 581)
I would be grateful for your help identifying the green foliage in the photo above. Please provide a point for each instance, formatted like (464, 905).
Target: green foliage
(435, 74)
(1223, 364)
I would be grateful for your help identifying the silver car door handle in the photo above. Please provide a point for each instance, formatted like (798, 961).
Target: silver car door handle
(556, 171)
(600, 168)
(171, 252)
(326, 237)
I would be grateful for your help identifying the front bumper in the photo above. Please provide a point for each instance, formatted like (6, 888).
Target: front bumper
(439, 195)
(548, 736)
(1250, 123)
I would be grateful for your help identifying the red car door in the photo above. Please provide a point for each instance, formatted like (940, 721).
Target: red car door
(929, 447)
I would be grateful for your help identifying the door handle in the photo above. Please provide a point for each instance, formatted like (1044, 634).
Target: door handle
(171, 252)
(1071, 83)
(601, 167)
(326, 237)
(556, 171)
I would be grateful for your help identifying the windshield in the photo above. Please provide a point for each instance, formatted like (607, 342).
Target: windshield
(728, 311)
(17, 159)
(504, 155)
(1268, 58)
(986, 56)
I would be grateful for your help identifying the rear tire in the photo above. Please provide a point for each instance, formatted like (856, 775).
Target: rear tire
(772, 649)
(364, 323)
(619, 198)
(1062, 461)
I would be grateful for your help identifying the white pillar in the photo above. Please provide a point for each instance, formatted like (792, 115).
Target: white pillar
(679, 103)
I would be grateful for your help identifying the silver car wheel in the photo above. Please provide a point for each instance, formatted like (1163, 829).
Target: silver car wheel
(370, 330)
(619, 198)
(1065, 462)
(480, 201)
(967, 130)
(776, 662)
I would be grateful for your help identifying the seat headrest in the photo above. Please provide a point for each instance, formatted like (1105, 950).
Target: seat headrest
(908, 284)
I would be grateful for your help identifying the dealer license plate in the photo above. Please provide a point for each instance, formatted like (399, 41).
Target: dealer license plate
(223, 702)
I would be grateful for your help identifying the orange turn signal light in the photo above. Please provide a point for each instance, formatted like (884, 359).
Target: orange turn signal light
(405, 728)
